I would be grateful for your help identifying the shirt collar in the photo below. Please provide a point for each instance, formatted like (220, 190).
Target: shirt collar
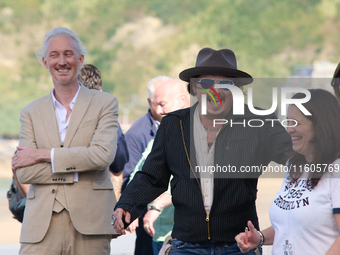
(56, 103)
(156, 123)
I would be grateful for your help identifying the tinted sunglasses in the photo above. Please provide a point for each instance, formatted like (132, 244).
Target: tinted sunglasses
(206, 83)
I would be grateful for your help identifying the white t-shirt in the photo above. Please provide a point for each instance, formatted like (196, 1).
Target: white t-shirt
(303, 219)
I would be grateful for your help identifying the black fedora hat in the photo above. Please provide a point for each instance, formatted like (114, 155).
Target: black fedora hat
(216, 62)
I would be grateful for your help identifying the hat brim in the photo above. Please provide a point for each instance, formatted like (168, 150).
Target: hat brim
(243, 77)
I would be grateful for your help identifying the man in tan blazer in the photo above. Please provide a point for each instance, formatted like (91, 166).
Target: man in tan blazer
(67, 141)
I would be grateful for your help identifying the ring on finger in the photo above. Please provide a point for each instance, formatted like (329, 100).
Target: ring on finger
(113, 220)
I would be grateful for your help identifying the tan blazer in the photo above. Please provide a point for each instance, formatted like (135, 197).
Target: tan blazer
(89, 147)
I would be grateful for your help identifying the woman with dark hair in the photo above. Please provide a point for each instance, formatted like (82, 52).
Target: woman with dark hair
(305, 214)
(336, 82)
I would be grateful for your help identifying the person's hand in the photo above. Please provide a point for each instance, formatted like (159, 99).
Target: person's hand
(23, 157)
(249, 239)
(27, 156)
(149, 219)
(132, 227)
(117, 220)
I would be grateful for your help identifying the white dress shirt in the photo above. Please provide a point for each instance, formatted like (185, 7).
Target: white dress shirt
(61, 112)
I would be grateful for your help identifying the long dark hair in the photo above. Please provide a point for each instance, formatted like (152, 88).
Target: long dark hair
(325, 119)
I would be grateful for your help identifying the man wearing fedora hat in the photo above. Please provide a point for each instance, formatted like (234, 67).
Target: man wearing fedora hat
(211, 207)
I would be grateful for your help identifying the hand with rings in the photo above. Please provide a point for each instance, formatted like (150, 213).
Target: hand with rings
(149, 220)
(117, 220)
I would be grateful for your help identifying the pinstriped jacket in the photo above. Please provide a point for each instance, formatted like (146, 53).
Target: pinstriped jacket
(234, 193)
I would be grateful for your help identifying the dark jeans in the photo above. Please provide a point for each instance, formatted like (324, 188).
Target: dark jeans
(180, 247)
(156, 247)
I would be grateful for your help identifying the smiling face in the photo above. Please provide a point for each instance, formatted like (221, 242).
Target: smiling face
(214, 111)
(302, 134)
(62, 60)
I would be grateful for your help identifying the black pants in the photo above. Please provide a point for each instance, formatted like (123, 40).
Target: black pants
(143, 240)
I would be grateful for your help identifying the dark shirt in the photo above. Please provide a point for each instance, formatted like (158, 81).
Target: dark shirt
(122, 154)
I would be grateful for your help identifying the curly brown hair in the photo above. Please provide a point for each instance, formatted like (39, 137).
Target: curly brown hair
(90, 77)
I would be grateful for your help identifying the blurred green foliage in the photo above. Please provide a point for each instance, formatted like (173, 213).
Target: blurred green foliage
(133, 41)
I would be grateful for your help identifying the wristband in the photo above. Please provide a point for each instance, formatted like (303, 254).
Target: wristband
(261, 239)
(153, 207)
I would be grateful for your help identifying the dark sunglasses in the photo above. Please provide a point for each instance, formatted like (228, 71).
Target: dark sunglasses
(206, 83)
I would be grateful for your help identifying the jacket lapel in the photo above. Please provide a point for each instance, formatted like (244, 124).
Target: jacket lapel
(50, 121)
(80, 107)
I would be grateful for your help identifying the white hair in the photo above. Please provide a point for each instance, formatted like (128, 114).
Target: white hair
(56, 32)
(153, 81)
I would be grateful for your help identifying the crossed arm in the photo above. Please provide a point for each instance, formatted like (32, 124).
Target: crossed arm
(33, 163)
(28, 156)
